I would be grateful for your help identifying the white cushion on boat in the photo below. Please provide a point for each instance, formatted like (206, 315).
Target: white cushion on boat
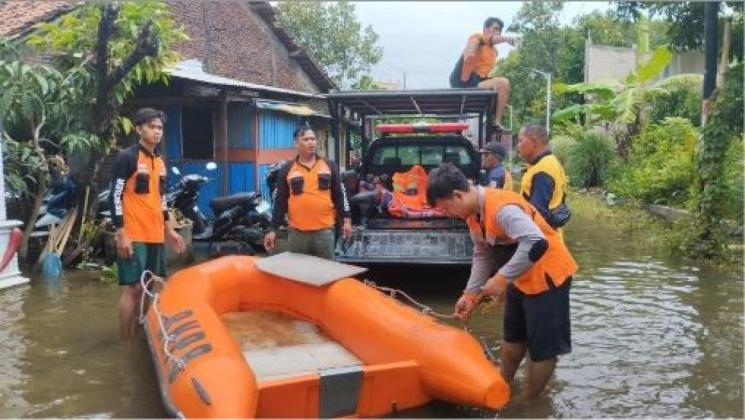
(307, 268)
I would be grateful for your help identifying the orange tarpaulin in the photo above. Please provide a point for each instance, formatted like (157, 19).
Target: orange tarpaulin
(410, 195)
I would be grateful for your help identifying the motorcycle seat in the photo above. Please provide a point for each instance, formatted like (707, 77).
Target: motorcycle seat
(220, 204)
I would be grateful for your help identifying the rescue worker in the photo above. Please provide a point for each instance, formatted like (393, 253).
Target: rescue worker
(310, 193)
(140, 215)
(477, 61)
(544, 184)
(534, 281)
(492, 156)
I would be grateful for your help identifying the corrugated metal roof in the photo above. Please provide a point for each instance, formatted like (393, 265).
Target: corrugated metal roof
(421, 102)
(290, 108)
(192, 70)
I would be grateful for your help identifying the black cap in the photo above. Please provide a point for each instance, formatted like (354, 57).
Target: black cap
(494, 148)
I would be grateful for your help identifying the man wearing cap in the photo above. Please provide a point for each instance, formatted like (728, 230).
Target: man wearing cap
(139, 213)
(492, 156)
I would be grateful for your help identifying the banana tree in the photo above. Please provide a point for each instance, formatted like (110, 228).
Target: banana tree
(622, 105)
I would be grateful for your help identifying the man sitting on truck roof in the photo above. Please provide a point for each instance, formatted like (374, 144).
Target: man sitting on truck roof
(478, 60)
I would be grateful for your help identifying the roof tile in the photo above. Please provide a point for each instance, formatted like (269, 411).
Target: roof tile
(17, 16)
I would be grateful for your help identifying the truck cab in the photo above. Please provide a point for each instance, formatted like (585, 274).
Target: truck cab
(386, 188)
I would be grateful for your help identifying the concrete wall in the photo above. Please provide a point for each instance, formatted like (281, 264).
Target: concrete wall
(611, 64)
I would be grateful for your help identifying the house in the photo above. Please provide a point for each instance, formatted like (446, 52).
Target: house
(242, 87)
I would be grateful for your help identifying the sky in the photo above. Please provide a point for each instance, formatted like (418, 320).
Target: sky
(424, 39)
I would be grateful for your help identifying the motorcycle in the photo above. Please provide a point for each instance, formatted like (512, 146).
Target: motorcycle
(242, 218)
(184, 197)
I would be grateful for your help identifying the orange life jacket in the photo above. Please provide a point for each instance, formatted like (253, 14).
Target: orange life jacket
(556, 264)
(410, 195)
(309, 205)
(142, 200)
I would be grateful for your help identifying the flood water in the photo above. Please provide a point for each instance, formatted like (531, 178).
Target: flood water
(653, 336)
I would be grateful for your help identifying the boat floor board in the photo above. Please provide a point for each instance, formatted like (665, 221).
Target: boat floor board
(307, 268)
(278, 346)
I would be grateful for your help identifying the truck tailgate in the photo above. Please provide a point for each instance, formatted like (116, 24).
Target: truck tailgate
(421, 246)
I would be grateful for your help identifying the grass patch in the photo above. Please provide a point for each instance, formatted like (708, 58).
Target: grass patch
(648, 232)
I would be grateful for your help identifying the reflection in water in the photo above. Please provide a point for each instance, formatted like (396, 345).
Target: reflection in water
(652, 337)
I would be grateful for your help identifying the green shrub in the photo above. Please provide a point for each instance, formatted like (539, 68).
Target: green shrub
(683, 103)
(561, 145)
(733, 181)
(660, 168)
(590, 160)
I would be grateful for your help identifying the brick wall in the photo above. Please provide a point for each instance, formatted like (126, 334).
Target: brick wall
(232, 41)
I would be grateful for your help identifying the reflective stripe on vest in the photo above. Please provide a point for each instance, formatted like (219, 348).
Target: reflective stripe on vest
(311, 208)
(551, 166)
(557, 264)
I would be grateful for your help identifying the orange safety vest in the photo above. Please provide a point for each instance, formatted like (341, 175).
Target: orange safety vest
(309, 205)
(142, 203)
(556, 264)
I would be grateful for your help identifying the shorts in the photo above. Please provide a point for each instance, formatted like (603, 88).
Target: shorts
(541, 320)
(319, 243)
(472, 81)
(145, 256)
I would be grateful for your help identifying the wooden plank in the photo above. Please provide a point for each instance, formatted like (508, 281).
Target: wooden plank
(307, 268)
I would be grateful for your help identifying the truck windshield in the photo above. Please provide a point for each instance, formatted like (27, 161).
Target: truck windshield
(425, 155)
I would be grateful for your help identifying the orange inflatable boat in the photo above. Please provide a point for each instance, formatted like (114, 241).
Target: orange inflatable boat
(295, 336)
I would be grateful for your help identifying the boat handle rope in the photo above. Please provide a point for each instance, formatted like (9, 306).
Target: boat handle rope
(427, 310)
(154, 296)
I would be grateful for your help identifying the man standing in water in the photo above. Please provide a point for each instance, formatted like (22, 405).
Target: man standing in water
(139, 214)
(534, 281)
(310, 193)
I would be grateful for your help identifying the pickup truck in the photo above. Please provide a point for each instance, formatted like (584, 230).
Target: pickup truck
(382, 233)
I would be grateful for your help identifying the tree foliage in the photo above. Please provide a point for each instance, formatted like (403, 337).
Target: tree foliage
(332, 34)
(685, 22)
(119, 46)
(547, 45)
(660, 168)
(99, 54)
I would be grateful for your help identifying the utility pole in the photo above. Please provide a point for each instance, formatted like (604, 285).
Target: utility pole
(404, 80)
(548, 97)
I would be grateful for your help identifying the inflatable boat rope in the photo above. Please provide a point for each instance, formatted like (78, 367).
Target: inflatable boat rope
(167, 338)
(393, 292)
